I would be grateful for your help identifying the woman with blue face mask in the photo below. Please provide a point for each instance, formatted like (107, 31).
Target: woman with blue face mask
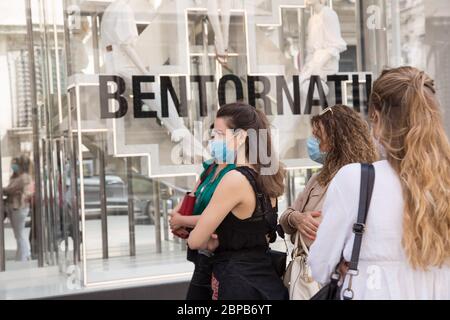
(229, 225)
(339, 137)
(223, 151)
(240, 219)
(314, 152)
(18, 194)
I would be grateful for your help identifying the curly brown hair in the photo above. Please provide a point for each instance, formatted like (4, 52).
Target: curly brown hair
(348, 139)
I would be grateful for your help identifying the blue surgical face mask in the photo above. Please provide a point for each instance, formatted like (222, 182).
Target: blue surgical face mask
(15, 168)
(220, 152)
(314, 152)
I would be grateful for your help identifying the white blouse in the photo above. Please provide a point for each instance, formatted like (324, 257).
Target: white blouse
(384, 272)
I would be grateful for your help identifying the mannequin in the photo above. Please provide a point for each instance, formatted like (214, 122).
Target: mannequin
(79, 54)
(219, 14)
(291, 52)
(119, 34)
(221, 26)
(324, 44)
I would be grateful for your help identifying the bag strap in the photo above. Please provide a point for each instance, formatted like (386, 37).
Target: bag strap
(366, 189)
(204, 175)
(302, 242)
(365, 196)
(261, 199)
(207, 172)
(299, 243)
(263, 206)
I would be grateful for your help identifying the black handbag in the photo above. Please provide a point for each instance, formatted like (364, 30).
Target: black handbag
(332, 291)
(278, 261)
(279, 258)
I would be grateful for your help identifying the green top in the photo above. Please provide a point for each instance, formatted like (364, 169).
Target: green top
(206, 189)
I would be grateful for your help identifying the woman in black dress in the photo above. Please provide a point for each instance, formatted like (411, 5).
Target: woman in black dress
(241, 218)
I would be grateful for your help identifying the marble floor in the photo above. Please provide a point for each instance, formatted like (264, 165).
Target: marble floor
(26, 281)
(152, 264)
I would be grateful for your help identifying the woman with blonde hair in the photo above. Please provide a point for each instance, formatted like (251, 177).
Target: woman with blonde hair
(406, 241)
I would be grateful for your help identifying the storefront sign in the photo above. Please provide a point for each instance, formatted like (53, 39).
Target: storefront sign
(282, 89)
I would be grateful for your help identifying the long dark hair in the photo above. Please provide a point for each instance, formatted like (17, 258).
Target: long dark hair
(240, 115)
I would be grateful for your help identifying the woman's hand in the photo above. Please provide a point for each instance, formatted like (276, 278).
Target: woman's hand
(175, 220)
(213, 243)
(306, 223)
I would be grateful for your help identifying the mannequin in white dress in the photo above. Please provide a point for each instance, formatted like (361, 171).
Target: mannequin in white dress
(324, 44)
(79, 54)
(118, 35)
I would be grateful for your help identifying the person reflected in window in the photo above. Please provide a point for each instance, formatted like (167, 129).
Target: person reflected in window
(19, 193)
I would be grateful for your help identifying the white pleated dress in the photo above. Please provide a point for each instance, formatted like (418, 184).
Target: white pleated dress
(384, 272)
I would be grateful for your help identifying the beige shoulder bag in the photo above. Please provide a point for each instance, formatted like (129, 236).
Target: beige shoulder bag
(298, 274)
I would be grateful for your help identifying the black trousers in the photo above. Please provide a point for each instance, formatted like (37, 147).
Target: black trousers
(200, 285)
(248, 275)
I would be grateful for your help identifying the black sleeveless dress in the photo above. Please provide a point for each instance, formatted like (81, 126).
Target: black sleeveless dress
(242, 264)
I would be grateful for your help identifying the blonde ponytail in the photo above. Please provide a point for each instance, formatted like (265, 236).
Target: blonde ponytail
(419, 151)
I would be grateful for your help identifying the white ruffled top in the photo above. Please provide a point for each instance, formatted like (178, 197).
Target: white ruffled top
(384, 272)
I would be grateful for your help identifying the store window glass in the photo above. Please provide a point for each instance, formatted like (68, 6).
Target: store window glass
(112, 102)
(32, 218)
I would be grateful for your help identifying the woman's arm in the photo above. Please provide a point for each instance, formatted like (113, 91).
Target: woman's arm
(292, 217)
(226, 197)
(14, 186)
(177, 221)
(289, 228)
(132, 54)
(286, 221)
